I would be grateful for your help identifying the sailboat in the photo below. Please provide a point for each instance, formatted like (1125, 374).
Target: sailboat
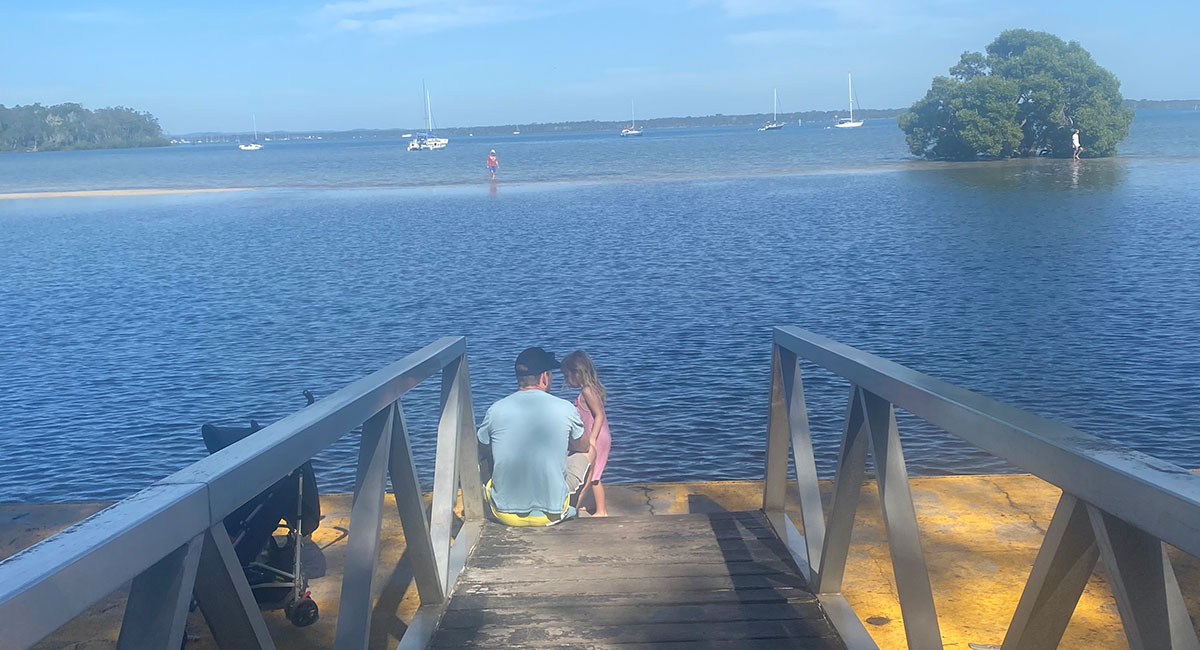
(774, 123)
(849, 123)
(427, 141)
(632, 128)
(254, 145)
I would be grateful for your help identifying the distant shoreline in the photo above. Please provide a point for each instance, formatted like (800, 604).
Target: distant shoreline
(589, 126)
(96, 193)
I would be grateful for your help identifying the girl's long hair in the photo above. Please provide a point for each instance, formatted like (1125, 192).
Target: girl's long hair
(579, 361)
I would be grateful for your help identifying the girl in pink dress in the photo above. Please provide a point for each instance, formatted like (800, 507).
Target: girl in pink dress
(580, 373)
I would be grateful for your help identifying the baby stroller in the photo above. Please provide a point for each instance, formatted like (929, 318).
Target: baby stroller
(273, 569)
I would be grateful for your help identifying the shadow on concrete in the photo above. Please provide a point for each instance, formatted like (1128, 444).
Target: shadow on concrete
(385, 622)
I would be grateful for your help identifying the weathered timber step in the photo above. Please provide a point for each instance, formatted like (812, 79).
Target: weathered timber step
(676, 582)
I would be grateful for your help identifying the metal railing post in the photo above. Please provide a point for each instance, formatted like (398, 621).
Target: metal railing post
(809, 491)
(900, 521)
(1064, 563)
(1144, 585)
(157, 608)
(468, 448)
(225, 598)
(445, 474)
(411, 506)
(847, 486)
(366, 520)
(775, 475)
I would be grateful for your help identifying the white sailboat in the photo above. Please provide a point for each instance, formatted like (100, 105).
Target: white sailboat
(632, 128)
(254, 145)
(427, 141)
(774, 123)
(849, 123)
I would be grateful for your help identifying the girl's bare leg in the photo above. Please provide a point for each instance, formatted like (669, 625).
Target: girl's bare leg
(598, 494)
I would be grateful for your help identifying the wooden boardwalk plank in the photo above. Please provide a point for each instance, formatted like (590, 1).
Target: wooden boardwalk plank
(650, 599)
(550, 612)
(574, 632)
(596, 583)
(504, 574)
(668, 582)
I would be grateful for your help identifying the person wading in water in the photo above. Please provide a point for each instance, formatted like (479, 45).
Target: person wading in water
(493, 163)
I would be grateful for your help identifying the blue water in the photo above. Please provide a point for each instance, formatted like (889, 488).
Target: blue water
(125, 323)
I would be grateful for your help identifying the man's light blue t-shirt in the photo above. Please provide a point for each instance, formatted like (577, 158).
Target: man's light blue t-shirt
(528, 432)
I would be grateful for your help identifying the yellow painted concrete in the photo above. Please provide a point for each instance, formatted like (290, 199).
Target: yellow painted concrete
(980, 534)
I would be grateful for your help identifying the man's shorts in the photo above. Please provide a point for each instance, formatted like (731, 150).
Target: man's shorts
(577, 470)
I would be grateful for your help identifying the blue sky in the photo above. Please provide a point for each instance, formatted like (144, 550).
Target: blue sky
(359, 63)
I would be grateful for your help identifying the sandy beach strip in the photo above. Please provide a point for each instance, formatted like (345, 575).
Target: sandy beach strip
(94, 193)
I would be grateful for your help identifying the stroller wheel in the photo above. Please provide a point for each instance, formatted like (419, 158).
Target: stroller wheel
(302, 612)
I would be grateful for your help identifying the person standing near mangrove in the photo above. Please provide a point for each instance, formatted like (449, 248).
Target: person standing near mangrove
(1075, 148)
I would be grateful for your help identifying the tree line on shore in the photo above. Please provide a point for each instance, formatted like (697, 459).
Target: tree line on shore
(1023, 96)
(71, 126)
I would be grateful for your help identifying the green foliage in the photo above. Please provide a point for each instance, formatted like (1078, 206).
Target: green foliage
(961, 120)
(1024, 97)
(71, 126)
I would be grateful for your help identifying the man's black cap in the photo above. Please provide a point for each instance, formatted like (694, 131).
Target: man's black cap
(535, 361)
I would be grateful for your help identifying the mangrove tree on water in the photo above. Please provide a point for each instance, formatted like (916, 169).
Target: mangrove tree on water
(1023, 96)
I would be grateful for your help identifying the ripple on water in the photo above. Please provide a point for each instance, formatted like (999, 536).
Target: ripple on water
(128, 323)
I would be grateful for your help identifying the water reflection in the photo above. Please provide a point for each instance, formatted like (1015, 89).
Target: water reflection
(492, 187)
(1039, 174)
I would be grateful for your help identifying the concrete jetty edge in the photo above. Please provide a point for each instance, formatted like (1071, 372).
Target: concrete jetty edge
(980, 534)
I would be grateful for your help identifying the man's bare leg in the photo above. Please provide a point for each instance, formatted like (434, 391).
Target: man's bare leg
(576, 498)
(583, 494)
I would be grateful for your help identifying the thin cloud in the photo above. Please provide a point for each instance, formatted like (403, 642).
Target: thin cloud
(405, 17)
(360, 7)
(856, 14)
(767, 37)
(109, 17)
(843, 19)
(742, 8)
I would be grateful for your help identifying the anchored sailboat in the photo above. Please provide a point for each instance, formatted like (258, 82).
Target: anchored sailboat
(849, 123)
(427, 140)
(774, 123)
(254, 145)
(632, 128)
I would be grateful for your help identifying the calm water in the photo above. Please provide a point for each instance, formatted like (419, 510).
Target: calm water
(126, 323)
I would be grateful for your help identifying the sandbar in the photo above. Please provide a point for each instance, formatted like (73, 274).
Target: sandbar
(93, 193)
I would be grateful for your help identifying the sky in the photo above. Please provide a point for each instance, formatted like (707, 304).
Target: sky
(298, 65)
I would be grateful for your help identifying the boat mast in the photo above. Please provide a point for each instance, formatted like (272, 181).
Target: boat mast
(850, 85)
(255, 118)
(632, 116)
(428, 112)
(775, 108)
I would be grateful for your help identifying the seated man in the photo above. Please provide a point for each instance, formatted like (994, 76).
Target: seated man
(533, 477)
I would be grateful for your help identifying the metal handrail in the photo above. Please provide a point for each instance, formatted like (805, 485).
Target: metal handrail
(169, 538)
(1118, 505)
